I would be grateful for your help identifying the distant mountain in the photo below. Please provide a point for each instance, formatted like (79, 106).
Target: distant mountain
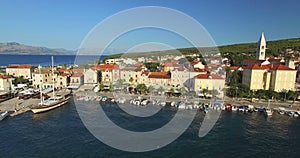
(17, 48)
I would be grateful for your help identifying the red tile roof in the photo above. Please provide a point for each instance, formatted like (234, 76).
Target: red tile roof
(160, 75)
(4, 77)
(109, 67)
(170, 64)
(63, 74)
(145, 73)
(234, 67)
(257, 67)
(279, 67)
(209, 76)
(77, 75)
(20, 66)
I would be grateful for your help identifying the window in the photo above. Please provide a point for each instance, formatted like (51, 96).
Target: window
(262, 47)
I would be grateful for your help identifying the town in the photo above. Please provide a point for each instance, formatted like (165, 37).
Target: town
(205, 75)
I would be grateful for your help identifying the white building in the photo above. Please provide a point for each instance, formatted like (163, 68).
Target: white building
(17, 70)
(90, 77)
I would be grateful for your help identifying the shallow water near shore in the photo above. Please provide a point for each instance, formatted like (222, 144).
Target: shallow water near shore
(61, 133)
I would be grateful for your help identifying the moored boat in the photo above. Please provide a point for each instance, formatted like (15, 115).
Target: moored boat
(3, 115)
(51, 103)
(268, 110)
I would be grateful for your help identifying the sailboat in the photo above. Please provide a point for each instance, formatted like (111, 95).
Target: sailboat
(51, 103)
(269, 111)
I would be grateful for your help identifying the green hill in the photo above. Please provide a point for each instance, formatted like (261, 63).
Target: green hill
(235, 52)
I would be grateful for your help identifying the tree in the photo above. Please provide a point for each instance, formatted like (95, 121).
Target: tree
(141, 88)
(110, 87)
(101, 87)
(152, 67)
(260, 93)
(292, 95)
(150, 89)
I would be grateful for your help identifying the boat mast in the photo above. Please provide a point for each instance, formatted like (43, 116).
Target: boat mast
(53, 89)
(41, 94)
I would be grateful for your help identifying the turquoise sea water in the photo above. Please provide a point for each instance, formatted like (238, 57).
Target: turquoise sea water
(60, 133)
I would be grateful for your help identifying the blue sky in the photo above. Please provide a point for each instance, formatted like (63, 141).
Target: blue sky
(64, 24)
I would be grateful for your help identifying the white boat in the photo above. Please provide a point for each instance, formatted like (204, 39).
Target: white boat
(3, 115)
(162, 103)
(281, 110)
(144, 102)
(234, 108)
(51, 103)
(181, 105)
(173, 103)
(296, 114)
(268, 110)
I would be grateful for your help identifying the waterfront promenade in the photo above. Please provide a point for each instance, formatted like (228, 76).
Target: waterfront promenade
(22, 106)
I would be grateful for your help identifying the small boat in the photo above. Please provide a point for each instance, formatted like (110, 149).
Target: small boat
(112, 100)
(206, 110)
(281, 110)
(228, 107)
(268, 110)
(181, 105)
(162, 103)
(104, 98)
(234, 108)
(241, 108)
(296, 114)
(3, 115)
(144, 102)
(290, 113)
(173, 103)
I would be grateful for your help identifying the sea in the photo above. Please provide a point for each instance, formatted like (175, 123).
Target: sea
(45, 60)
(61, 133)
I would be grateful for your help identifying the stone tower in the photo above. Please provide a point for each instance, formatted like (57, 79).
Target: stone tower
(261, 48)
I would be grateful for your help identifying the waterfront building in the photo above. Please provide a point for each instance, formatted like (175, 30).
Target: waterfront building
(108, 72)
(90, 77)
(283, 78)
(183, 77)
(256, 77)
(276, 77)
(156, 78)
(18, 70)
(62, 81)
(44, 76)
(5, 83)
(77, 79)
(209, 82)
(131, 75)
